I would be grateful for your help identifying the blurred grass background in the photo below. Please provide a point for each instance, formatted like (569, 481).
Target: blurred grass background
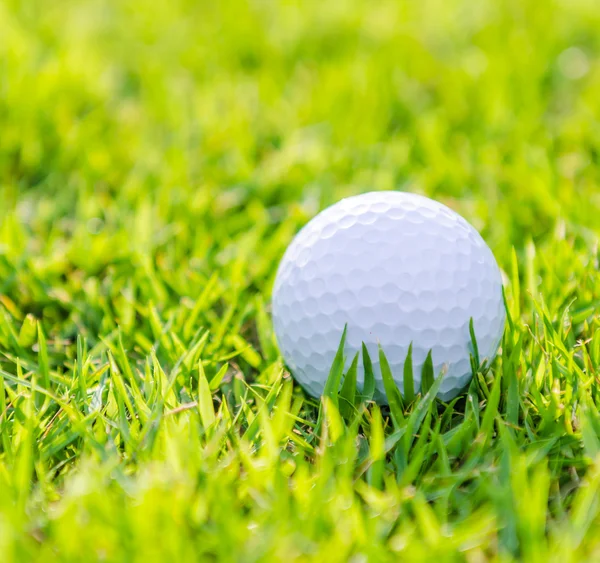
(155, 161)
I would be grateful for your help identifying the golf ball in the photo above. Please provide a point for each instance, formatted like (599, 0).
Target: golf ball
(396, 268)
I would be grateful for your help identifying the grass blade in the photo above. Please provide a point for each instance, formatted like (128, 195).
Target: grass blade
(205, 402)
(474, 345)
(427, 374)
(376, 450)
(348, 392)
(369, 383)
(408, 380)
(218, 377)
(332, 385)
(44, 365)
(391, 390)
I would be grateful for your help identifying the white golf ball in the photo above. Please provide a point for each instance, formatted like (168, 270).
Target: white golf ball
(396, 268)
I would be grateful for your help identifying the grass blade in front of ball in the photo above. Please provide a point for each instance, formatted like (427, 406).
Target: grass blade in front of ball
(348, 391)
(427, 375)
(369, 382)
(475, 356)
(391, 390)
(408, 379)
(332, 385)
(377, 450)
(334, 379)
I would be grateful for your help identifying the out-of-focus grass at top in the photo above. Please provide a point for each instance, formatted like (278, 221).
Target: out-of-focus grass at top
(155, 161)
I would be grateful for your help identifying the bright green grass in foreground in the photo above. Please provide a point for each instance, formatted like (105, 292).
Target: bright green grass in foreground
(155, 161)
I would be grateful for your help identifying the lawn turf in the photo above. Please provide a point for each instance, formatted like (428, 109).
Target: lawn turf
(155, 161)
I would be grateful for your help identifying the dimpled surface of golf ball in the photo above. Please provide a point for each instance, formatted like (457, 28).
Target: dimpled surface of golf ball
(396, 268)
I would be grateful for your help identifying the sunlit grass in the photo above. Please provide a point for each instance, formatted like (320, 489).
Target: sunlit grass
(155, 161)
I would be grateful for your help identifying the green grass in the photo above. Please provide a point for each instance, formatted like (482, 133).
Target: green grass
(155, 161)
